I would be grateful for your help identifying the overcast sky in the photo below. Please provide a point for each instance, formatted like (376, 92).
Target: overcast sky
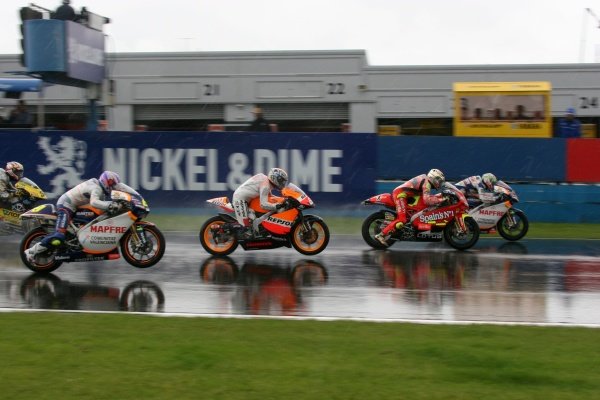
(392, 32)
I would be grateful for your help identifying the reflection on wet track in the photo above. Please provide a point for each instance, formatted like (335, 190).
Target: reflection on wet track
(532, 281)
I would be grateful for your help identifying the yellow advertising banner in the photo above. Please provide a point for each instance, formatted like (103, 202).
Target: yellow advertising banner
(502, 109)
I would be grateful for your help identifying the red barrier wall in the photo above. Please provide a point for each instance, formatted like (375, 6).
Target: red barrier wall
(583, 160)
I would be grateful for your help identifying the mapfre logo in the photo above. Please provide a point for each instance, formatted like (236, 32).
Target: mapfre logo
(108, 229)
(493, 213)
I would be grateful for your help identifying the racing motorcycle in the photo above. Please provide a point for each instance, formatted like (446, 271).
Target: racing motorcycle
(449, 221)
(511, 223)
(308, 234)
(27, 194)
(95, 235)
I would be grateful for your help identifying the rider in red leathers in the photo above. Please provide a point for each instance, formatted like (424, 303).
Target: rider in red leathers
(419, 185)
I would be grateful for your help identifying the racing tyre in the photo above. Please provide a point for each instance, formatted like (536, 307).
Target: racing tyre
(517, 229)
(462, 240)
(215, 239)
(143, 255)
(371, 226)
(44, 262)
(310, 237)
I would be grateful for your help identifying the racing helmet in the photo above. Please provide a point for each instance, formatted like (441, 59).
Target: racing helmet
(489, 180)
(14, 170)
(278, 177)
(108, 180)
(436, 178)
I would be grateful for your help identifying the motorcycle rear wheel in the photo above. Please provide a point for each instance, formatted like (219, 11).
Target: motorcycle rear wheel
(371, 226)
(44, 262)
(312, 241)
(142, 256)
(517, 231)
(214, 240)
(462, 241)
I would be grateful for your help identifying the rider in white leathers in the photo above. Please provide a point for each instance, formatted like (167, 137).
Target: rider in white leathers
(478, 189)
(259, 185)
(93, 192)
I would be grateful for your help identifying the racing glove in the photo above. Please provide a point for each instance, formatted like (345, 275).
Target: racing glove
(114, 208)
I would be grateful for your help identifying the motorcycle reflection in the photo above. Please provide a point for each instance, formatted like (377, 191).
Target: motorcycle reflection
(424, 275)
(265, 289)
(47, 291)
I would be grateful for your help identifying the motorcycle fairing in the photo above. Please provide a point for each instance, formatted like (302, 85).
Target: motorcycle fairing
(221, 202)
(43, 211)
(31, 188)
(384, 199)
(487, 216)
(103, 236)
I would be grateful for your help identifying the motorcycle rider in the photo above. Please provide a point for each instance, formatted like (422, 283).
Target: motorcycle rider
(478, 189)
(9, 176)
(93, 192)
(260, 185)
(420, 184)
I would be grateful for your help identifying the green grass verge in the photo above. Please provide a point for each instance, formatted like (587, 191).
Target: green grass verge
(92, 356)
(352, 225)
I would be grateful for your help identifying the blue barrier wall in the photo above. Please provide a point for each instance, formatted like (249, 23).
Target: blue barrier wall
(183, 169)
(548, 202)
(512, 159)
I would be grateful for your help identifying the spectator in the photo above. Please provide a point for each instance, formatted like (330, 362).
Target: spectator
(20, 115)
(65, 12)
(260, 124)
(520, 110)
(569, 126)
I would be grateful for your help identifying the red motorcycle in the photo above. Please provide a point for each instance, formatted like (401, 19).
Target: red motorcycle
(449, 221)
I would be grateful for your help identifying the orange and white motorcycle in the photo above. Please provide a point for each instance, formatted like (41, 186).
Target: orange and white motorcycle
(308, 234)
(94, 235)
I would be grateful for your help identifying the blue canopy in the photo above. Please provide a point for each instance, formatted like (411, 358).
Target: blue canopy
(20, 85)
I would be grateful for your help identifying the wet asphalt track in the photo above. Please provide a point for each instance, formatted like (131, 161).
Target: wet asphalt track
(554, 282)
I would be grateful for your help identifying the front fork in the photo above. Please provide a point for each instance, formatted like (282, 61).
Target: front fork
(460, 221)
(139, 235)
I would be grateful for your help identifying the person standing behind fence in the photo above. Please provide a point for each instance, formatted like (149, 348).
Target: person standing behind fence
(569, 126)
(260, 124)
(65, 12)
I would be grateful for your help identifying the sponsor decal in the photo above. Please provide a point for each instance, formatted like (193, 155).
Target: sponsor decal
(108, 229)
(429, 235)
(279, 221)
(493, 213)
(436, 216)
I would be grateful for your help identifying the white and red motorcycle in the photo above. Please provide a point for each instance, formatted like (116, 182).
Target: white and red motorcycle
(94, 235)
(510, 222)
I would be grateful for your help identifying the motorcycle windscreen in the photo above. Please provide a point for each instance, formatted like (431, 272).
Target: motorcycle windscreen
(294, 191)
(104, 236)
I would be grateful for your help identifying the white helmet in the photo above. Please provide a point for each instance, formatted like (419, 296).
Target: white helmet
(278, 177)
(108, 180)
(489, 180)
(14, 170)
(436, 178)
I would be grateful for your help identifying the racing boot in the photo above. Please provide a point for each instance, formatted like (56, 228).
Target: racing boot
(34, 250)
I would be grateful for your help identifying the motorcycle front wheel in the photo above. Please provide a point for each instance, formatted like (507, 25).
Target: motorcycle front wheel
(514, 226)
(371, 226)
(215, 239)
(310, 237)
(462, 240)
(143, 254)
(44, 262)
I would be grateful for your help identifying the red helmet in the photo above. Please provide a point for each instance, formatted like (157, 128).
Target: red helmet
(14, 170)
